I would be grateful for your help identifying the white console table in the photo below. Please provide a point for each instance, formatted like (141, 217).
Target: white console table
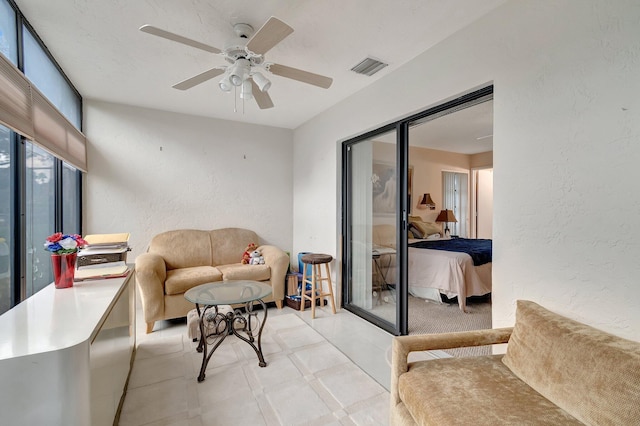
(66, 354)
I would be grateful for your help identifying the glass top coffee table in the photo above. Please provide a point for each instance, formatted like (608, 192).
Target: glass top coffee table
(215, 325)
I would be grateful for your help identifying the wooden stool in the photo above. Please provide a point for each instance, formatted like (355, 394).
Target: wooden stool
(316, 261)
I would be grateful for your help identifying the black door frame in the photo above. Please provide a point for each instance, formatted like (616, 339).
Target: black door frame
(402, 165)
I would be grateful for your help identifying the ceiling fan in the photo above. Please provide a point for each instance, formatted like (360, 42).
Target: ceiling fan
(245, 54)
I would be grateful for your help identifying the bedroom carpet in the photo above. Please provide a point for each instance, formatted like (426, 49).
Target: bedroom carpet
(426, 316)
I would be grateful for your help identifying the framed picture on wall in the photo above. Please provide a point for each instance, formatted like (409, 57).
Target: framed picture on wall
(384, 182)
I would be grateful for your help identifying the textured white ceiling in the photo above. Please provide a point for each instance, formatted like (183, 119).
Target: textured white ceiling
(98, 44)
(467, 131)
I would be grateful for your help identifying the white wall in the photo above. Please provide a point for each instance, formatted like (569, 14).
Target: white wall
(152, 171)
(566, 130)
(484, 203)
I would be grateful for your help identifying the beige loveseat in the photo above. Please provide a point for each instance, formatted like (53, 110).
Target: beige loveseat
(179, 260)
(556, 371)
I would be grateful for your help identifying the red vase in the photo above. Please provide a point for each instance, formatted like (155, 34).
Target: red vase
(64, 266)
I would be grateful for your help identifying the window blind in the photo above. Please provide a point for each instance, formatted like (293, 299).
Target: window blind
(15, 99)
(25, 110)
(455, 190)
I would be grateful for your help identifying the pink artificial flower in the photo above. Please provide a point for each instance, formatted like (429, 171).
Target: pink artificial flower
(79, 240)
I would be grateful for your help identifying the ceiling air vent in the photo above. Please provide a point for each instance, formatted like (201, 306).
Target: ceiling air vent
(369, 66)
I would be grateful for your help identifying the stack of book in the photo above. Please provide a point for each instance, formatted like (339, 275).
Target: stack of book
(105, 256)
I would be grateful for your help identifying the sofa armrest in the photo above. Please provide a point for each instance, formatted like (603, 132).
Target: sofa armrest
(151, 273)
(278, 262)
(403, 345)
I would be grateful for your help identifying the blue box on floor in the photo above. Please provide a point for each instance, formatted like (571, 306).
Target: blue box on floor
(301, 265)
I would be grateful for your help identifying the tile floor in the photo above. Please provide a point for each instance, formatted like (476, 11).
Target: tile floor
(335, 372)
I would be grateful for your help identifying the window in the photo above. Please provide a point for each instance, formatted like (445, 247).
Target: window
(8, 37)
(40, 216)
(5, 214)
(42, 71)
(70, 199)
(39, 193)
(455, 198)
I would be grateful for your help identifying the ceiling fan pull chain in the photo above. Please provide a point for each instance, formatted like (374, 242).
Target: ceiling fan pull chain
(235, 99)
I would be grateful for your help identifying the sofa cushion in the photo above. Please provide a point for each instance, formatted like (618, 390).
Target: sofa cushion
(474, 390)
(228, 245)
(592, 375)
(238, 271)
(183, 248)
(384, 235)
(180, 280)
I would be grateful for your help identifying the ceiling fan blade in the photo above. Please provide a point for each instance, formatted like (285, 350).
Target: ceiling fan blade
(300, 75)
(271, 33)
(177, 38)
(200, 78)
(262, 98)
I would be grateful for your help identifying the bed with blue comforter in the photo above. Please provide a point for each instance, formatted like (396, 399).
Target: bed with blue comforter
(454, 267)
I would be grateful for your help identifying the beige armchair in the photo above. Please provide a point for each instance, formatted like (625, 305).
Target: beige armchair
(556, 371)
(181, 259)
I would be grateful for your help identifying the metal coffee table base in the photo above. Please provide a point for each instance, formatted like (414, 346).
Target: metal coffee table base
(216, 326)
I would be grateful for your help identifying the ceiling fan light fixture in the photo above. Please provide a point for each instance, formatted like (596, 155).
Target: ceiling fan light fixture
(263, 82)
(246, 91)
(225, 84)
(239, 72)
(235, 79)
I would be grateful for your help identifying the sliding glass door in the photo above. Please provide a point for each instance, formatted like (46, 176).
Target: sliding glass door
(378, 197)
(374, 187)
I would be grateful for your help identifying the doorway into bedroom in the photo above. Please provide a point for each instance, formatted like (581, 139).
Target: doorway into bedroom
(408, 186)
(449, 242)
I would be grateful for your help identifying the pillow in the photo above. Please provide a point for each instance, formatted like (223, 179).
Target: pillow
(413, 230)
(427, 228)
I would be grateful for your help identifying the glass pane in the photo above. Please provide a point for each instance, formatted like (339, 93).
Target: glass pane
(5, 227)
(70, 199)
(40, 214)
(373, 204)
(8, 42)
(44, 74)
(443, 149)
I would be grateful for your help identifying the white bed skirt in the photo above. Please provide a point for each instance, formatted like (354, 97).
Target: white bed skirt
(431, 272)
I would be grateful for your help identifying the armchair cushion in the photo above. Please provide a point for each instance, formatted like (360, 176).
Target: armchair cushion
(180, 280)
(484, 386)
(559, 357)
